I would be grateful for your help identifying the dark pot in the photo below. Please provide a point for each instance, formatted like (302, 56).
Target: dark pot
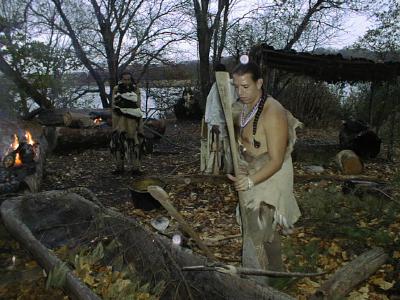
(141, 198)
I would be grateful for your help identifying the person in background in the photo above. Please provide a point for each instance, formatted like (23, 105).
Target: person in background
(127, 136)
(265, 140)
(218, 157)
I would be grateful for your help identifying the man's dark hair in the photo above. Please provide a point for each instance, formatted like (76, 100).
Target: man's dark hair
(249, 68)
(220, 68)
(127, 73)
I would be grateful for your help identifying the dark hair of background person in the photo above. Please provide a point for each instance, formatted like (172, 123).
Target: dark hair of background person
(127, 73)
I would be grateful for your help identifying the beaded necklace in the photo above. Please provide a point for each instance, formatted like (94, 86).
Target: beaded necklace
(256, 111)
(245, 117)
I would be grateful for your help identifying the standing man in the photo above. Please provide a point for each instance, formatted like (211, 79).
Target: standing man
(218, 156)
(127, 136)
(266, 138)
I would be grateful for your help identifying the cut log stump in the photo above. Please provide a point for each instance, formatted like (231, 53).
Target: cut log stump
(349, 163)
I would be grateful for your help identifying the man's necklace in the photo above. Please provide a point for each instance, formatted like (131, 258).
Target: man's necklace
(245, 117)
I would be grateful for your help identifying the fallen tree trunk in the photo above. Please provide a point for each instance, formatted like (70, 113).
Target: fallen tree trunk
(306, 150)
(72, 116)
(52, 117)
(350, 275)
(339, 178)
(61, 217)
(77, 120)
(63, 139)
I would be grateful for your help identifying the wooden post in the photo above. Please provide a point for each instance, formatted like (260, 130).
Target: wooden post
(225, 95)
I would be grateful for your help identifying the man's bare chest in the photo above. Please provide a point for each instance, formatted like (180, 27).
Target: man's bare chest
(254, 143)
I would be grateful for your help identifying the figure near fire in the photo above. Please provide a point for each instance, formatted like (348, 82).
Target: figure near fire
(127, 137)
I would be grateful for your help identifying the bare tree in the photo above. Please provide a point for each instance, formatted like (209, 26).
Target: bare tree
(208, 26)
(109, 36)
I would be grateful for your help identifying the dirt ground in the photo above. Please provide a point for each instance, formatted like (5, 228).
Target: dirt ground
(210, 209)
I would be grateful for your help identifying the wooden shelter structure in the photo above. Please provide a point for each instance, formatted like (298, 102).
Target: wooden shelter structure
(331, 68)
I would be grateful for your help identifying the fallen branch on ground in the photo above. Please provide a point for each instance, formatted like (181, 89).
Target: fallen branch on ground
(250, 271)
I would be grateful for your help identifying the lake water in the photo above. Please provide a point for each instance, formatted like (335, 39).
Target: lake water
(155, 102)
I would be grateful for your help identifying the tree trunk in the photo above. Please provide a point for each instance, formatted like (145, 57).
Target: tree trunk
(350, 275)
(73, 117)
(63, 139)
(77, 120)
(24, 85)
(52, 117)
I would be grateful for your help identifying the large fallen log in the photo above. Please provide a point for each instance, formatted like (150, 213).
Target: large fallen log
(52, 117)
(64, 139)
(315, 151)
(350, 275)
(73, 117)
(77, 120)
(65, 217)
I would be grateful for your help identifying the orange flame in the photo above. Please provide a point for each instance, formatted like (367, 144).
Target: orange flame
(97, 121)
(29, 138)
(15, 142)
(18, 161)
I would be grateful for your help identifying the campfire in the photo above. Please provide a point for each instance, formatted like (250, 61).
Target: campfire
(21, 151)
(97, 121)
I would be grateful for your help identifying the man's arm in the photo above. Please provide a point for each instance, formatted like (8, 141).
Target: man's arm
(276, 129)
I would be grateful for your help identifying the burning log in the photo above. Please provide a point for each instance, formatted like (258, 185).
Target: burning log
(23, 162)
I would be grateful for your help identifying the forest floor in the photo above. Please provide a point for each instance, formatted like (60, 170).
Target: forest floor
(333, 230)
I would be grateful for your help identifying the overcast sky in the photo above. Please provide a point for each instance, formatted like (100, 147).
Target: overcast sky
(355, 27)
